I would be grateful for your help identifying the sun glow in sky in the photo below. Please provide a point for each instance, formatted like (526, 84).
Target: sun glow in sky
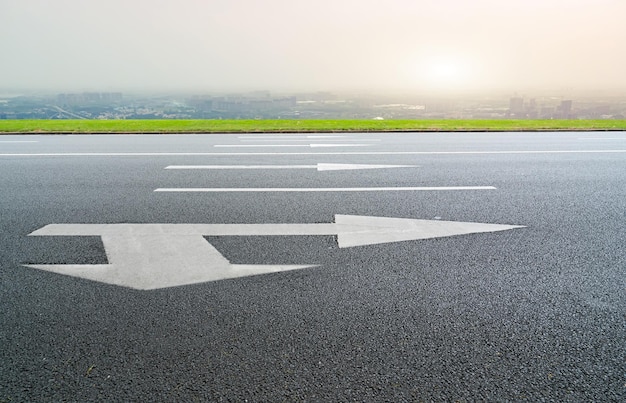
(440, 71)
(312, 44)
(447, 73)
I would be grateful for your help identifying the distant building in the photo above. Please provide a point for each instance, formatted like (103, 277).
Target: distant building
(564, 110)
(531, 109)
(516, 107)
(86, 98)
(110, 96)
(243, 104)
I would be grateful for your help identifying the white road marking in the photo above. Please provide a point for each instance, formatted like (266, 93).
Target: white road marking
(152, 256)
(18, 141)
(289, 145)
(280, 137)
(370, 189)
(602, 138)
(230, 154)
(319, 167)
(296, 140)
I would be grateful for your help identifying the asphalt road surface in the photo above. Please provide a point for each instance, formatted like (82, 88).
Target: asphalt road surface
(535, 311)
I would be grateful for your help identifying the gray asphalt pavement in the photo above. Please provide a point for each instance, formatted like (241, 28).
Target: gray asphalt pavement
(529, 314)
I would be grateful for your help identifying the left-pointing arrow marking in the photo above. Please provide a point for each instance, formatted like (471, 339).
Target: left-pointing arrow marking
(151, 256)
(319, 167)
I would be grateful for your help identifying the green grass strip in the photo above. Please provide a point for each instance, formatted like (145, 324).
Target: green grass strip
(299, 126)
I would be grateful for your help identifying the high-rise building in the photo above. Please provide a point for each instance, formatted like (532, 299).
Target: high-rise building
(516, 106)
(564, 110)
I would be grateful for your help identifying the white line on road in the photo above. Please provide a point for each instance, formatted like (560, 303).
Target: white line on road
(231, 154)
(296, 140)
(281, 137)
(288, 145)
(18, 141)
(371, 189)
(319, 167)
(602, 138)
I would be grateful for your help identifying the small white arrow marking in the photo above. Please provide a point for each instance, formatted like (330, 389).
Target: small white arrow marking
(151, 256)
(319, 167)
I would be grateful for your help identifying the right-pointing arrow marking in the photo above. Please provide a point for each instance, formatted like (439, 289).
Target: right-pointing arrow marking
(151, 256)
(376, 230)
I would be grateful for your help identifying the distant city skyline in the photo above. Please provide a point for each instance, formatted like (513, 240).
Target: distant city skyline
(314, 105)
(431, 46)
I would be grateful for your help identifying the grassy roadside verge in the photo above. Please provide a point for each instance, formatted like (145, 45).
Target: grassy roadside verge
(304, 126)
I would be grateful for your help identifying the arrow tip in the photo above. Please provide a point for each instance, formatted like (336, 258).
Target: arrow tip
(365, 230)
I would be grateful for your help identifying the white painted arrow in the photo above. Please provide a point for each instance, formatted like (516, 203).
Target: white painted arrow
(151, 256)
(319, 167)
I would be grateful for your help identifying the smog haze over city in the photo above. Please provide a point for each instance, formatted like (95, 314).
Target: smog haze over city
(538, 56)
(312, 45)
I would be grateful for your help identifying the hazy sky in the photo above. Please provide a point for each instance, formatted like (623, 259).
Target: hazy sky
(209, 45)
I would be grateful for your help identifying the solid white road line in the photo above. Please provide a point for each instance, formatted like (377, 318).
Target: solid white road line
(288, 145)
(602, 138)
(280, 137)
(319, 167)
(370, 189)
(241, 154)
(18, 141)
(309, 140)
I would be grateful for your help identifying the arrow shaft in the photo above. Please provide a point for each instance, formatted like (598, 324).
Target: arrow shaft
(270, 229)
(241, 167)
(193, 229)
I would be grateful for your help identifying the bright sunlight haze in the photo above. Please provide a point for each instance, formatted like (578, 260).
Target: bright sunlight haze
(434, 45)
